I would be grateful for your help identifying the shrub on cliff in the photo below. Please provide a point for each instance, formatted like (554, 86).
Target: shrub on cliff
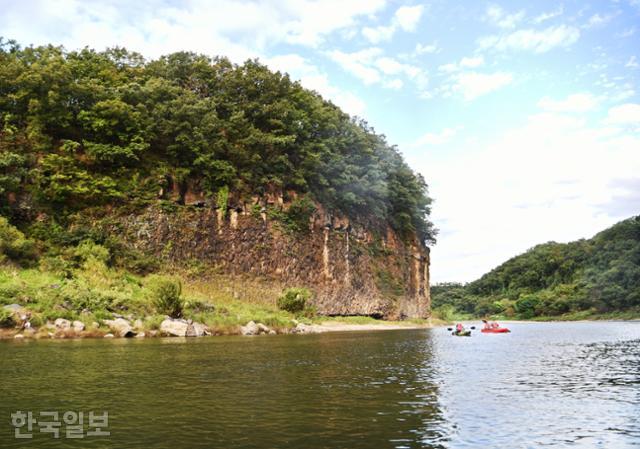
(14, 245)
(166, 295)
(6, 318)
(294, 300)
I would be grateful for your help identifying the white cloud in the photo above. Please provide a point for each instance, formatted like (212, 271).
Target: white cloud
(552, 178)
(466, 62)
(475, 61)
(359, 63)
(625, 114)
(632, 63)
(429, 48)
(497, 16)
(406, 18)
(473, 85)
(548, 15)
(310, 77)
(375, 35)
(581, 102)
(233, 28)
(597, 20)
(431, 139)
(370, 66)
(533, 40)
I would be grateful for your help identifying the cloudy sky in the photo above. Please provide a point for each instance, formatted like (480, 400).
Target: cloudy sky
(524, 117)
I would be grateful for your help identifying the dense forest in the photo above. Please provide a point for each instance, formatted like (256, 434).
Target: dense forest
(85, 129)
(587, 277)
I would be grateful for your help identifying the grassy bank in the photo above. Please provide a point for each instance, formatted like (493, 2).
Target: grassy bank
(94, 293)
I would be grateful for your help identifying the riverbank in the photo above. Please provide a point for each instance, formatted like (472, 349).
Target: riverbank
(123, 328)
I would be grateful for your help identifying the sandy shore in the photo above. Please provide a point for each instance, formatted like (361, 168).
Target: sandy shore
(335, 326)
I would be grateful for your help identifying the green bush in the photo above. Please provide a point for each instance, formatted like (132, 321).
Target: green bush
(294, 300)
(166, 295)
(14, 245)
(526, 306)
(6, 318)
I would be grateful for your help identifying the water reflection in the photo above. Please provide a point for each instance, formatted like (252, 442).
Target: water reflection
(544, 385)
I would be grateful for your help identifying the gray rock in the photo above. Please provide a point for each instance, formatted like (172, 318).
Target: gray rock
(78, 326)
(272, 332)
(61, 323)
(302, 328)
(13, 308)
(18, 336)
(251, 328)
(263, 329)
(121, 327)
(141, 335)
(197, 330)
(174, 327)
(108, 335)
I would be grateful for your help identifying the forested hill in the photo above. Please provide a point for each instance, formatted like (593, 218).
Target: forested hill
(593, 276)
(84, 128)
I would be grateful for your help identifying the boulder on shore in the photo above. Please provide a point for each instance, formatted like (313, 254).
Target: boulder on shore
(121, 327)
(178, 327)
(251, 328)
(61, 323)
(78, 326)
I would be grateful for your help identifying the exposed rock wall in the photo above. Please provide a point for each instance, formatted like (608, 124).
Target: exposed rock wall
(350, 271)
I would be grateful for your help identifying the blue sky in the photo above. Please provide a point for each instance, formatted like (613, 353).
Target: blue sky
(524, 117)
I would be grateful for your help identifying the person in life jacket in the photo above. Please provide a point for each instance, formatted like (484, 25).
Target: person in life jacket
(459, 327)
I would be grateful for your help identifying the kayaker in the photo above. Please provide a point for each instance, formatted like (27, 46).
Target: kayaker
(486, 324)
(459, 328)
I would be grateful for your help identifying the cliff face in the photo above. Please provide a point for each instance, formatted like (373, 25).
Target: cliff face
(350, 271)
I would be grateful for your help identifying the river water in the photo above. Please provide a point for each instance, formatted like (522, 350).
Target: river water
(574, 385)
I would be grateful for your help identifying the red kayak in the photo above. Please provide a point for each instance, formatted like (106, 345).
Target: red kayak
(496, 330)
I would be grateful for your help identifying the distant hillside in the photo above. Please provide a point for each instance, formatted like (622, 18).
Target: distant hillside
(599, 275)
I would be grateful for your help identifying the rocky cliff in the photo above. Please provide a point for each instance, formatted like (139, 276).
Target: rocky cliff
(351, 270)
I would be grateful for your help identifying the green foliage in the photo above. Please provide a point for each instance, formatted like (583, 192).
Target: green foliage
(14, 245)
(296, 218)
(599, 275)
(222, 200)
(86, 128)
(166, 295)
(294, 299)
(6, 318)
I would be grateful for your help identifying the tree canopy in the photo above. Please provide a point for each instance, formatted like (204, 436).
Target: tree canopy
(85, 128)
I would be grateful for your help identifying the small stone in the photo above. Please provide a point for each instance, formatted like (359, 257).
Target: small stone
(95, 325)
(272, 332)
(78, 326)
(141, 335)
(263, 329)
(18, 336)
(109, 336)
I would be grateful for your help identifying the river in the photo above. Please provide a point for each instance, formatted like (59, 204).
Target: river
(574, 385)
